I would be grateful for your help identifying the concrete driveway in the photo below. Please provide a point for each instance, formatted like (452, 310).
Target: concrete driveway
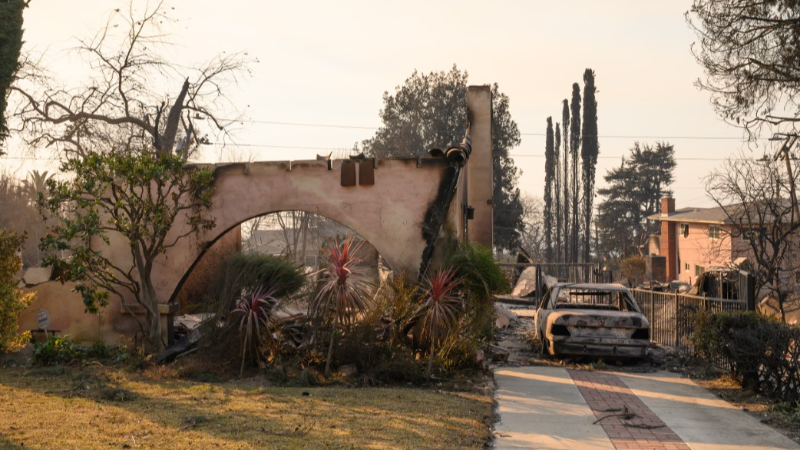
(555, 408)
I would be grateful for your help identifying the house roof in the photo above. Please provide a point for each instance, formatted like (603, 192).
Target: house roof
(696, 215)
(759, 212)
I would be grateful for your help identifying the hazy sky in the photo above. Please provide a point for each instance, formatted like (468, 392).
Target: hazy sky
(330, 62)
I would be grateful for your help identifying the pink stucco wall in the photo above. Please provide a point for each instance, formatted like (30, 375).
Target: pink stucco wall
(698, 249)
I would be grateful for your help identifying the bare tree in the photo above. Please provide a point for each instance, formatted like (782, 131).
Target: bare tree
(133, 99)
(533, 235)
(294, 225)
(295, 233)
(751, 56)
(755, 196)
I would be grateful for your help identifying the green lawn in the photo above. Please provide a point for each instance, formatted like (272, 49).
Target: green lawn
(99, 409)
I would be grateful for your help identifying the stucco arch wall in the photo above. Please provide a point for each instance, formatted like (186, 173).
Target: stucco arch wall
(388, 214)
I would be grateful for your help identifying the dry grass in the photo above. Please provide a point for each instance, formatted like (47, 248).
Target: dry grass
(95, 408)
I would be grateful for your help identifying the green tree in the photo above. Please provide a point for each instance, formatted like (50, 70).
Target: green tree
(429, 110)
(566, 181)
(590, 148)
(10, 46)
(557, 192)
(574, 145)
(137, 195)
(549, 170)
(633, 192)
(12, 300)
(751, 55)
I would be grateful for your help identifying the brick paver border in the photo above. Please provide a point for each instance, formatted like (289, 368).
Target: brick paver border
(607, 395)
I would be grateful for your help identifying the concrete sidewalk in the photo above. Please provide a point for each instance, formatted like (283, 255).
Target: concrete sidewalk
(700, 418)
(542, 408)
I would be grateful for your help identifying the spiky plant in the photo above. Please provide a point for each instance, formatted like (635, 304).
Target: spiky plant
(257, 309)
(440, 308)
(343, 293)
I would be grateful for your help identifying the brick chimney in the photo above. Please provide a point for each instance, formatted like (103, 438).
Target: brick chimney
(667, 206)
(669, 238)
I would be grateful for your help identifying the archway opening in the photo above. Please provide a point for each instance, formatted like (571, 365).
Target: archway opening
(296, 237)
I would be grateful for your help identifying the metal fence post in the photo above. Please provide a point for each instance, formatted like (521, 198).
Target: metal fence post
(652, 317)
(677, 324)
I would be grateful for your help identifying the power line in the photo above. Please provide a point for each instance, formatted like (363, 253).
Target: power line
(608, 136)
(523, 155)
(298, 124)
(622, 156)
(22, 158)
(612, 136)
(292, 147)
(283, 146)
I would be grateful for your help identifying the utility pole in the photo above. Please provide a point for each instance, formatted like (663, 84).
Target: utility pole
(788, 143)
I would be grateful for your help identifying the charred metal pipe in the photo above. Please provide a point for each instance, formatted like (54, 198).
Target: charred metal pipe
(458, 154)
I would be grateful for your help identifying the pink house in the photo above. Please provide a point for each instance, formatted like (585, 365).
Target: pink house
(694, 239)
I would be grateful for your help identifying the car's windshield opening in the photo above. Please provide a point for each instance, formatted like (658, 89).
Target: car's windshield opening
(594, 299)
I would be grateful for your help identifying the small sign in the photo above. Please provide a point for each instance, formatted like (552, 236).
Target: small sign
(43, 318)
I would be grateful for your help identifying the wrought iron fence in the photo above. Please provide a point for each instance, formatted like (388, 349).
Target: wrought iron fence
(672, 316)
(563, 272)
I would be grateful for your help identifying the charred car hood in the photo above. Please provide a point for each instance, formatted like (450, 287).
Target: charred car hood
(590, 318)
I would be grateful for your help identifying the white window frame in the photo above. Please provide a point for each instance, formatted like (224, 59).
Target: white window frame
(684, 230)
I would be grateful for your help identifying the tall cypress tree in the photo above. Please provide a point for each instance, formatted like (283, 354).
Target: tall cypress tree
(549, 166)
(10, 45)
(590, 148)
(557, 192)
(574, 144)
(565, 181)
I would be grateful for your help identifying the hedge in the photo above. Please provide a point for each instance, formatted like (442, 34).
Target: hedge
(762, 353)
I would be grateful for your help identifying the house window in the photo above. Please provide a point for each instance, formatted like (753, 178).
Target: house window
(686, 267)
(685, 230)
(713, 232)
(698, 270)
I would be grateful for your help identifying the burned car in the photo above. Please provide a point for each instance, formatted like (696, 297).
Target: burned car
(592, 319)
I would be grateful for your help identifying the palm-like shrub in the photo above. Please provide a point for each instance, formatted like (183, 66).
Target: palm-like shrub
(440, 308)
(257, 309)
(481, 278)
(344, 290)
(476, 267)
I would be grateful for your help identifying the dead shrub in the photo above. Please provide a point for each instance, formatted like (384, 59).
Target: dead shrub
(221, 337)
(633, 268)
(203, 281)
